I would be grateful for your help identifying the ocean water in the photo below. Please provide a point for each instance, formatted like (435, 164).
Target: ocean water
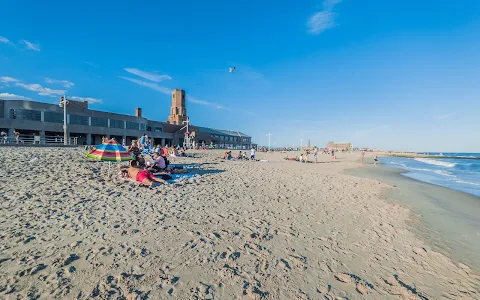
(458, 173)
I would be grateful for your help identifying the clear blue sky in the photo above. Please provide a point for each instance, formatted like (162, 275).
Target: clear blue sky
(387, 74)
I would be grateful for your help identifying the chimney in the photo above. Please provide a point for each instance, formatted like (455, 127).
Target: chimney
(138, 112)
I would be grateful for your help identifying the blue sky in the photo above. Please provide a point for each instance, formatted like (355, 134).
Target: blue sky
(387, 74)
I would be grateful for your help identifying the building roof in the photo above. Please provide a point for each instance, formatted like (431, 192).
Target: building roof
(222, 132)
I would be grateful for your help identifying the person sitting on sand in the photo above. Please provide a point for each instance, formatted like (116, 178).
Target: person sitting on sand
(239, 156)
(133, 148)
(227, 155)
(159, 163)
(169, 168)
(145, 177)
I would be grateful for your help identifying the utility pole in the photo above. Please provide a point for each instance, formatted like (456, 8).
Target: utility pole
(269, 135)
(64, 103)
(187, 133)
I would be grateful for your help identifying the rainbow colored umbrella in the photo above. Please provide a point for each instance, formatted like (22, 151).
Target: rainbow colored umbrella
(110, 151)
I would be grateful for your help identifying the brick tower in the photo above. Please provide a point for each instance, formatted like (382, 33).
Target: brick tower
(178, 112)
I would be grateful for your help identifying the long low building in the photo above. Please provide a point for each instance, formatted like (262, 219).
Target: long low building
(87, 127)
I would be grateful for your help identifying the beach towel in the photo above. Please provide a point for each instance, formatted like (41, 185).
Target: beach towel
(176, 178)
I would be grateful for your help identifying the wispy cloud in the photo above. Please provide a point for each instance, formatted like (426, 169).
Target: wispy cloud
(324, 19)
(147, 75)
(31, 46)
(7, 96)
(7, 79)
(65, 83)
(151, 85)
(206, 103)
(42, 91)
(88, 99)
(4, 40)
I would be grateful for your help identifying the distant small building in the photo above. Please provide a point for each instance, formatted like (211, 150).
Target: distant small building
(339, 146)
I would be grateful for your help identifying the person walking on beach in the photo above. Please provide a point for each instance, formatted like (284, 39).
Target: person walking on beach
(4, 137)
(16, 135)
(252, 153)
(333, 155)
(315, 153)
(375, 160)
(362, 156)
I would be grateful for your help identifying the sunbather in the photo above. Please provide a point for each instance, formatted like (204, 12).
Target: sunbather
(145, 177)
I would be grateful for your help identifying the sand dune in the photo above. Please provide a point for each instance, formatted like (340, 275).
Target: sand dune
(242, 230)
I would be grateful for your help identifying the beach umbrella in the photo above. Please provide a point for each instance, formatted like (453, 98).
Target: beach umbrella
(110, 151)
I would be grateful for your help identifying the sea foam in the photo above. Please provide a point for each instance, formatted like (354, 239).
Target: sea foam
(436, 162)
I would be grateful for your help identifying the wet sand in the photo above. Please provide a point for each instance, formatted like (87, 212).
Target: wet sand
(448, 220)
(242, 230)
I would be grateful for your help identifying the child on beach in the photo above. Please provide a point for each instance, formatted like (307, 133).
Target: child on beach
(315, 153)
(252, 153)
(375, 160)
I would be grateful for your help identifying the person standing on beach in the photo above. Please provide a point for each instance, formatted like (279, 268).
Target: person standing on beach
(375, 160)
(362, 156)
(4, 137)
(333, 155)
(315, 153)
(16, 135)
(252, 153)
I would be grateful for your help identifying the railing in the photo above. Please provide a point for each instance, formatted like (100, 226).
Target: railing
(38, 140)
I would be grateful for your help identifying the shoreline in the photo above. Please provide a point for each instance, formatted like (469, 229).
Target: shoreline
(446, 219)
(428, 156)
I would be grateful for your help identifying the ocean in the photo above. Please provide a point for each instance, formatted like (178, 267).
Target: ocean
(457, 173)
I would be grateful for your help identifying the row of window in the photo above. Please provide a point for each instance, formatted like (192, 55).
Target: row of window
(230, 138)
(54, 117)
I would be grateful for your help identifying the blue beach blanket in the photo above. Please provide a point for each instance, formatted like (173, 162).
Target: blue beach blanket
(181, 177)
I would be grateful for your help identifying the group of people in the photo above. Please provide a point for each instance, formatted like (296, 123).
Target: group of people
(145, 171)
(4, 137)
(227, 154)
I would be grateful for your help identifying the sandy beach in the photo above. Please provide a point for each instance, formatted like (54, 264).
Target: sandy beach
(240, 230)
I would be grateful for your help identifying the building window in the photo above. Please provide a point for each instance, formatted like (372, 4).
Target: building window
(158, 129)
(132, 125)
(117, 124)
(79, 120)
(53, 117)
(25, 114)
(99, 122)
(143, 127)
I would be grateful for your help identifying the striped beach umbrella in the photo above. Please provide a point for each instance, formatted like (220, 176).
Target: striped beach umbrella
(110, 151)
